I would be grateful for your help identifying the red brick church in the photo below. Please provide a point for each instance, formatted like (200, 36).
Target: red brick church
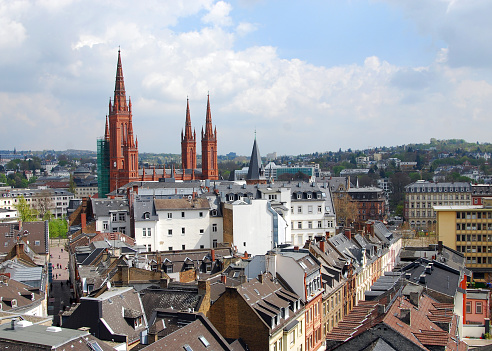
(123, 149)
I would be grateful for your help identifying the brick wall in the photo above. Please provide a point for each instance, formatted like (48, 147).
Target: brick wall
(234, 318)
(228, 236)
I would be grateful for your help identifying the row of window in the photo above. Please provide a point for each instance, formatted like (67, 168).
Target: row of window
(439, 197)
(474, 249)
(183, 215)
(319, 224)
(183, 230)
(309, 209)
(473, 215)
(473, 226)
(473, 237)
(437, 189)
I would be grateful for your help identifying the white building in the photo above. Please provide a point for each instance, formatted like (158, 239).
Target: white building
(176, 224)
(111, 215)
(253, 226)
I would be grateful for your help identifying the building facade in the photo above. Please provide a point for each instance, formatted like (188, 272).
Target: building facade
(422, 196)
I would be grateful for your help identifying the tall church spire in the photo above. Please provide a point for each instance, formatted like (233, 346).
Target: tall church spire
(188, 134)
(119, 87)
(208, 121)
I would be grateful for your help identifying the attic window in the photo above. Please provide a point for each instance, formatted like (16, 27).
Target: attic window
(146, 215)
(204, 341)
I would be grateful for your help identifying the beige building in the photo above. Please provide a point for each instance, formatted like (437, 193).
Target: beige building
(422, 196)
(468, 229)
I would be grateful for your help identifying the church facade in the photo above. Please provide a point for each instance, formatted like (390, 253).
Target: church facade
(122, 147)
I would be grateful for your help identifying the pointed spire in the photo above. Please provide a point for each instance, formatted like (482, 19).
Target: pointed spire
(119, 87)
(106, 133)
(208, 120)
(187, 134)
(255, 170)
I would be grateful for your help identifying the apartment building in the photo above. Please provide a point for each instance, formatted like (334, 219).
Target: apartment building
(422, 196)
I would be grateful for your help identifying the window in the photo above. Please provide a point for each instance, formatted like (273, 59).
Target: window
(113, 217)
(214, 227)
(183, 230)
(319, 224)
(144, 231)
(310, 225)
(201, 231)
(309, 196)
(320, 209)
(122, 230)
(200, 214)
(478, 307)
(299, 225)
(105, 225)
(468, 307)
(169, 215)
(310, 209)
(146, 215)
(214, 243)
(121, 217)
(182, 214)
(299, 209)
(169, 232)
(170, 248)
(183, 247)
(37, 243)
(149, 232)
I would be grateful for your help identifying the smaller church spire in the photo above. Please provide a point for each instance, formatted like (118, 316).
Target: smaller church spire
(208, 120)
(106, 133)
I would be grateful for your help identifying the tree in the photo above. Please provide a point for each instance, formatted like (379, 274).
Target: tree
(71, 186)
(58, 228)
(44, 203)
(26, 213)
(345, 209)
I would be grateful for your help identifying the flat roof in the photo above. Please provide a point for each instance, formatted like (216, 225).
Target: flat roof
(461, 208)
(39, 334)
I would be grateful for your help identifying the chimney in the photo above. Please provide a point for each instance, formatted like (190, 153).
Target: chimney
(428, 269)
(242, 278)
(260, 278)
(20, 225)
(223, 278)
(414, 298)
(163, 283)
(204, 290)
(212, 253)
(348, 233)
(422, 279)
(83, 221)
(405, 315)
(322, 243)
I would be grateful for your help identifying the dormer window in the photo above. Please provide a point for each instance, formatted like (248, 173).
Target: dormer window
(146, 215)
(309, 196)
(299, 196)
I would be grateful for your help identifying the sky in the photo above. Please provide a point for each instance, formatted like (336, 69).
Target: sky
(305, 76)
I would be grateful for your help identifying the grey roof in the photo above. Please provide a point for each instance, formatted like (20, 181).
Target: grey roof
(38, 334)
(143, 206)
(179, 298)
(426, 186)
(31, 276)
(255, 170)
(102, 207)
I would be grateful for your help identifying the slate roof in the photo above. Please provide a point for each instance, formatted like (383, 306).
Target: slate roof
(197, 333)
(180, 299)
(143, 206)
(32, 276)
(103, 314)
(255, 170)
(441, 278)
(102, 207)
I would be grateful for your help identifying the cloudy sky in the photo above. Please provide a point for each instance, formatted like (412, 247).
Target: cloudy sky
(314, 75)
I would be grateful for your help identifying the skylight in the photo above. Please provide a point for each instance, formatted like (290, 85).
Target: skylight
(204, 341)
(187, 347)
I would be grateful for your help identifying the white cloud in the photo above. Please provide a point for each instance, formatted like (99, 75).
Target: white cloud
(218, 14)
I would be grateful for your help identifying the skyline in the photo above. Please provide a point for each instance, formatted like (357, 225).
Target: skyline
(365, 73)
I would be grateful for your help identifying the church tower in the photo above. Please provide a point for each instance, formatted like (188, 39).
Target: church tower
(123, 151)
(210, 169)
(188, 143)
